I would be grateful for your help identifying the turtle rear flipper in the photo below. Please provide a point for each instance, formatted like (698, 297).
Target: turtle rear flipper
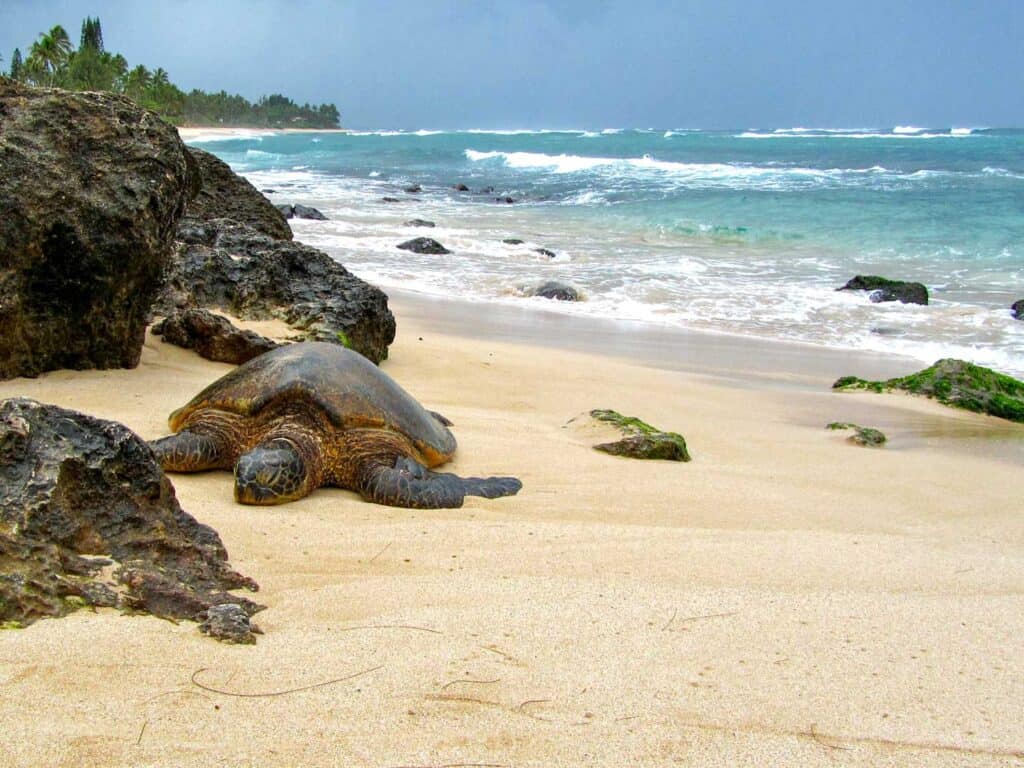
(409, 484)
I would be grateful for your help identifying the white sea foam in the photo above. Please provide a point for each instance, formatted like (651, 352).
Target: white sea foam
(907, 129)
(610, 131)
(845, 135)
(961, 131)
(224, 135)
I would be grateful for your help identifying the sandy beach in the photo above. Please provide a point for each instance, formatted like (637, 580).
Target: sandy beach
(785, 598)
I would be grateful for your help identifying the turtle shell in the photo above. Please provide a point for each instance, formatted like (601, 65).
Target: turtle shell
(353, 393)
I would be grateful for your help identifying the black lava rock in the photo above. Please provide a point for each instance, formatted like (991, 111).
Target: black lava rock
(78, 494)
(883, 289)
(92, 187)
(423, 245)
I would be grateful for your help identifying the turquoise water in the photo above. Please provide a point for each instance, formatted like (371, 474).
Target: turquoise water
(745, 232)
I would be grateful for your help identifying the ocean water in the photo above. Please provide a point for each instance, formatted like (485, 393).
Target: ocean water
(743, 232)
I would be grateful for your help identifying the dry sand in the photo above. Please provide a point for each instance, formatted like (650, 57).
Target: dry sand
(784, 599)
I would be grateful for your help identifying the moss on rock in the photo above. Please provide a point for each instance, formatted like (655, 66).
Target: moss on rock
(955, 383)
(866, 436)
(641, 440)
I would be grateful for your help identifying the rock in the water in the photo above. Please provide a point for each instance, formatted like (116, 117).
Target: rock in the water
(414, 189)
(91, 190)
(1018, 309)
(955, 383)
(229, 623)
(255, 277)
(418, 223)
(461, 188)
(869, 437)
(545, 252)
(390, 200)
(557, 291)
(423, 245)
(212, 336)
(513, 241)
(226, 195)
(487, 191)
(87, 517)
(297, 211)
(641, 440)
(883, 289)
(508, 200)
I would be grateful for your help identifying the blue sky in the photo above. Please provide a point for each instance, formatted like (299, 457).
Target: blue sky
(593, 64)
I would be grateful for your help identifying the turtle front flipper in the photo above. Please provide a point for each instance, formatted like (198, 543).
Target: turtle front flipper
(409, 484)
(273, 472)
(189, 451)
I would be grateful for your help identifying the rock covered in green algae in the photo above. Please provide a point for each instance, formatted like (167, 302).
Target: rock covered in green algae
(955, 383)
(867, 436)
(641, 440)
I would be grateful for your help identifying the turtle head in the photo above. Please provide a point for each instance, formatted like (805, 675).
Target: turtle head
(271, 473)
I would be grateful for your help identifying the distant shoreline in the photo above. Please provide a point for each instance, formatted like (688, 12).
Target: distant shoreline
(194, 131)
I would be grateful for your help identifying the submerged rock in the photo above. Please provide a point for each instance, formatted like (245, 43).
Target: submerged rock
(390, 200)
(226, 195)
(641, 440)
(513, 241)
(1018, 309)
(414, 189)
(955, 383)
(91, 190)
(297, 211)
(87, 517)
(557, 291)
(212, 336)
(883, 289)
(423, 245)
(418, 223)
(461, 188)
(506, 199)
(866, 436)
(255, 277)
(545, 252)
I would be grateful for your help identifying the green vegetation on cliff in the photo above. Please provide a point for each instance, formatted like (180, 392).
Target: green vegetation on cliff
(957, 384)
(53, 62)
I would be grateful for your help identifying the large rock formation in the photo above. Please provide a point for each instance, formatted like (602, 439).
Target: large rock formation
(91, 190)
(87, 517)
(229, 266)
(1017, 308)
(226, 195)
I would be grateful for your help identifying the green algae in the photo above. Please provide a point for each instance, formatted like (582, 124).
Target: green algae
(867, 436)
(640, 439)
(955, 383)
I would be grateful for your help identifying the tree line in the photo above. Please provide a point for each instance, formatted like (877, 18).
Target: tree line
(53, 62)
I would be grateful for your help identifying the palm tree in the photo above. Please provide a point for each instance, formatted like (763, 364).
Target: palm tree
(49, 54)
(136, 83)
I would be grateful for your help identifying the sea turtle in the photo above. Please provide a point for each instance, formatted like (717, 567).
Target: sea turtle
(312, 414)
